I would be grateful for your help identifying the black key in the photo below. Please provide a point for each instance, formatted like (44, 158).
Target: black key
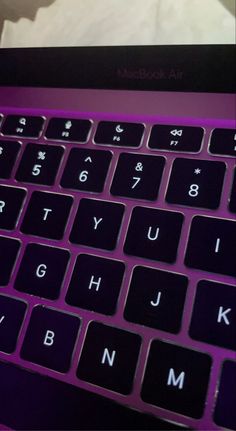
(11, 199)
(223, 141)
(156, 299)
(225, 412)
(8, 154)
(39, 164)
(26, 126)
(56, 405)
(119, 134)
(9, 249)
(138, 176)
(86, 170)
(196, 183)
(112, 360)
(97, 224)
(67, 129)
(42, 271)
(153, 234)
(176, 378)
(95, 284)
(50, 338)
(232, 203)
(216, 304)
(47, 215)
(12, 312)
(187, 139)
(211, 245)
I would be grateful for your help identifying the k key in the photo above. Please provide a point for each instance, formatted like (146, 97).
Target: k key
(211, 245)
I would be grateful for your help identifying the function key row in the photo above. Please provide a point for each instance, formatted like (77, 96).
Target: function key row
(123, 134)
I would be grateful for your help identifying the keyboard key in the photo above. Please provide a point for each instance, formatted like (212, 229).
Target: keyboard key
(39, 164)
(232, 203)
(223, 141)
(57, 405)
(153, 234)
(11, 200)
(97, 224)
(47, 342)
(25, 126)
(138, 176)
(12, 312)
(156, 299)
(95, 284)
(176, 378)
(111, 361)
(47, 215)
(8, 154)
(225, 412)
(119, 134)
(42, 271)
(187, 139)
(216, 304)
(9, 249)
(67, 129)
(86, 170)
(211, 245)
(196, 183)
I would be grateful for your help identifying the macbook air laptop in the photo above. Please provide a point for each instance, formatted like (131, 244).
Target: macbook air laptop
(118, 238)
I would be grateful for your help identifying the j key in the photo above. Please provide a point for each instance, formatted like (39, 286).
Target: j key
(119, 134)
(176, 138)
(225, 412)
(50, 338)
(8, 154)
(12, 313)
(223, 141)
(232, 203)
(104, 363)
(72, 408)
(216, 304)
(97, 224)
(196, 183)
(176, 378)
(86, 170)
(67, 129)
(11, 199)
(138, 176)
(42, 271)
(153, 234)
(95, 284)
(9, 249)
(39, 164)
(25, 126)
(156, 299)
(211, 245)
(47, 215)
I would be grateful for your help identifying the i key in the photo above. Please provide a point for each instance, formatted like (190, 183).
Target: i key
(196, 183)
(138, 176)
(86, 169)
(39, 164)
(176, 378)
(42, 271)
(111, 361)
(12, 313)
(47, 215)
(47, 342)
(211, 245)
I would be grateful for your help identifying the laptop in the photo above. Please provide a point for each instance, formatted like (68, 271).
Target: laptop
(118, 238)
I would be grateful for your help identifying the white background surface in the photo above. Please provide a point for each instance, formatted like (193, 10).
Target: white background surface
(116, 22)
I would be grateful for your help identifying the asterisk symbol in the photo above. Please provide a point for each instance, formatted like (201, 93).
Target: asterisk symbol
(197, 171)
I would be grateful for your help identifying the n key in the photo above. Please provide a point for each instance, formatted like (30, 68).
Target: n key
(211, 245)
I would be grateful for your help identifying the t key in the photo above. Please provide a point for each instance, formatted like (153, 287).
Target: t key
(196, 183)
(211, 245)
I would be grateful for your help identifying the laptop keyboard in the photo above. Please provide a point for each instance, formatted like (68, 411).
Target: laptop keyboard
(118, 266)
